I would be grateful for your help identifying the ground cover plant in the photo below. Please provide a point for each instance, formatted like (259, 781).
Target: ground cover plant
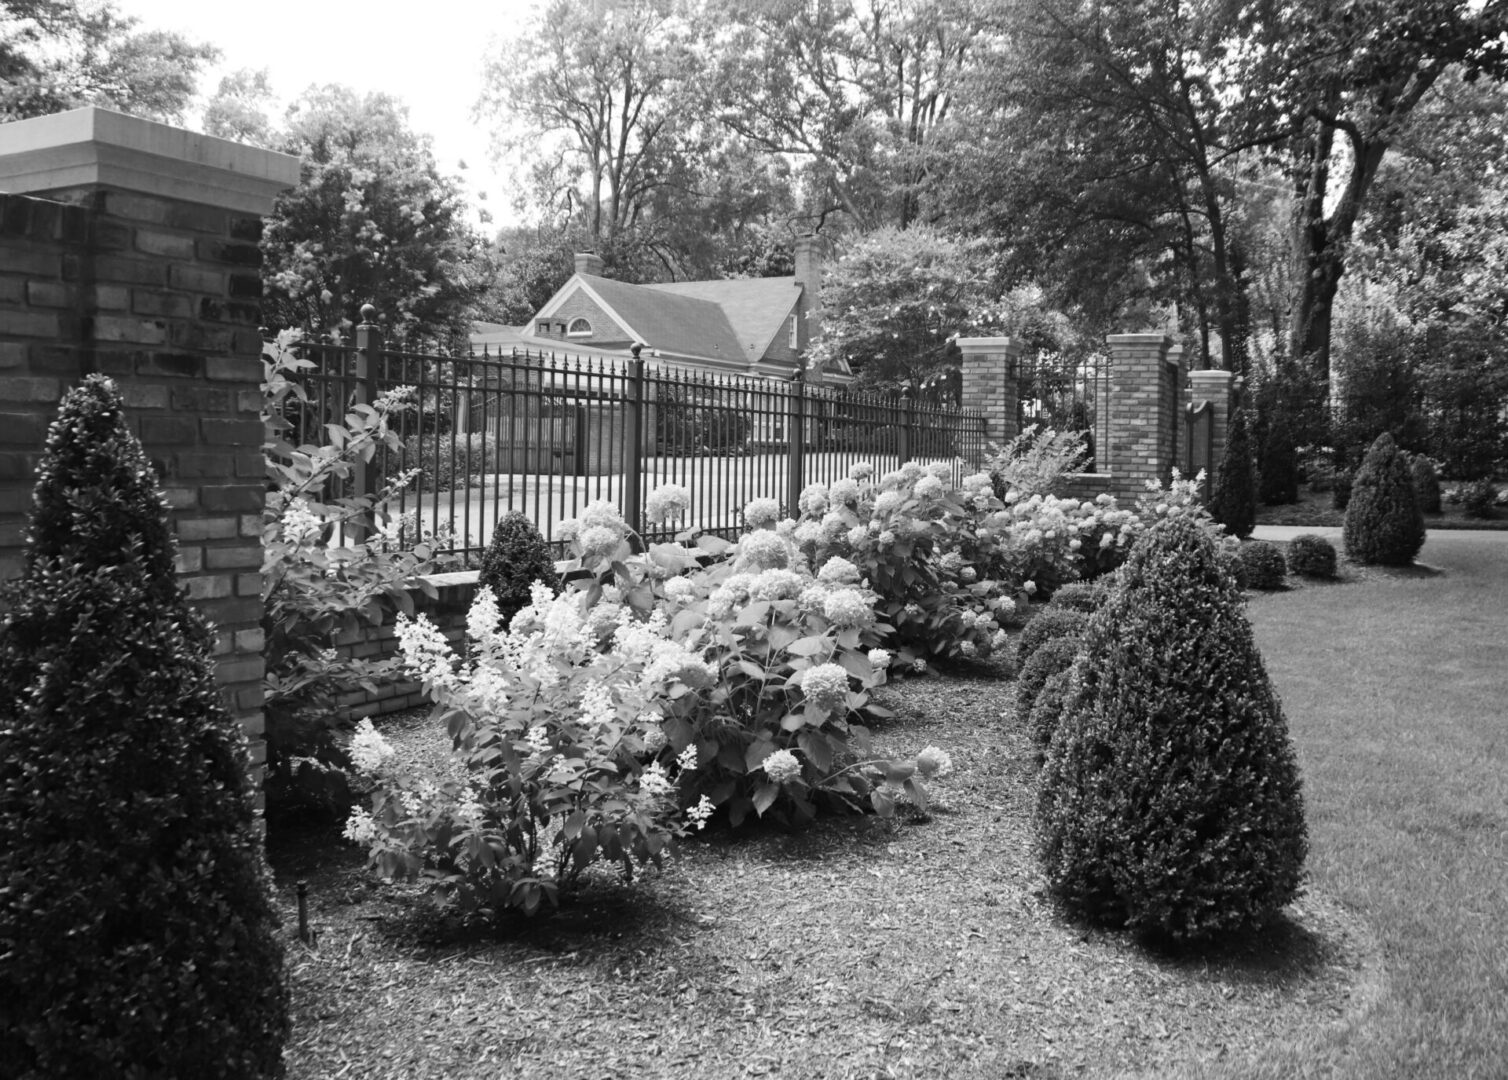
(137, 933)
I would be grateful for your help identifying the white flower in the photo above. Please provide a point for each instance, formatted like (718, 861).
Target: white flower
(468, 814)
(838, 571)
(761, 551)
(781, 766)
(786, 527)
(654, 782)
(845, 490)
(368, 749)
(856, 535)
(597, 705)
(654, 738)
(940, 470)
(934, 762)
(967, 648)
(776, 585)
(968, 573)
(910, 471)
(888, 502)
(1000, 640)
(360, 828)
(977, 482)
(879, 659)
(886, 538)
(918, 665)
(929, 487)
(847, 607)
(826, 686)
(669, 502)
(600, 513)
(809, 532)
(813, 499)
(697, 816)
(758, 512)
(862, 471)
(1029, 587)
(686, 760)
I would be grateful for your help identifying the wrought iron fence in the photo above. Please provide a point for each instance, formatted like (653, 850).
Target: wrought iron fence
(546, 434)
(1068, 396)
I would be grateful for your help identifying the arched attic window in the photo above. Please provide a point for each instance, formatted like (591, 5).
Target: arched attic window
(579, 327)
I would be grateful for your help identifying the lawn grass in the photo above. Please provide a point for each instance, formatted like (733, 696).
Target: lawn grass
(1396, 690)
(1316, 509)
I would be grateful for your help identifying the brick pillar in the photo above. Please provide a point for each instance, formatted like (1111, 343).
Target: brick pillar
(990, 384)
(1216, 387)
(131, 248)
(1144, 402)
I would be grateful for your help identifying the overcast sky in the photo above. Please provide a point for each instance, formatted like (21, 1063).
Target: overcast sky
(429, 56)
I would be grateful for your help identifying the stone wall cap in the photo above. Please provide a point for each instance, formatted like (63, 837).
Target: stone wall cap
(1210, 375)
(95, 146)
(981, 343)
(1139, 339)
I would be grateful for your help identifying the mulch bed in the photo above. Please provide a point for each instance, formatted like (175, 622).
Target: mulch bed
(924, 947)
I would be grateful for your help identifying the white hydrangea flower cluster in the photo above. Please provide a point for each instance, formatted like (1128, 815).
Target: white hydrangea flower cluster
(776, 584)
(697, 815)
(933, 763)
(781, 767)
(654, 781)
(888, 502)
(763, 550)
(300, 524)
(861, 471)
(813, 499)
(838, 571)
(879, 659)
(848, 607)
(844, 491)
(929, 488)
(369, 750)
(826, 686)
(761, 512)
(668, 502)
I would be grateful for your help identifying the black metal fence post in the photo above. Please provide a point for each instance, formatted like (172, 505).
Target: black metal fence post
(907, 442)
(796, 437)
(633, 465)
(368, 362)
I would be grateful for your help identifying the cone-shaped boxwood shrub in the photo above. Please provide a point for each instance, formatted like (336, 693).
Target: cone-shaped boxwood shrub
(1085, 596)
(1311, 556)
(1259, 565)
(1170, 799)
(1426, 484)
(1051, 622)
(518, 556)
(1383, 522)
(1233, 502)
(137, 933)
(1050, 658)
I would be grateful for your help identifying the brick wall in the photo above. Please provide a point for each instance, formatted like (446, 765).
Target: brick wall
(990, 384)
(163, 294)
(578, 305)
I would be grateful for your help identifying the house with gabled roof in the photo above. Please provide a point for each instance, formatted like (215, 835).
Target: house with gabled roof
(757, 327)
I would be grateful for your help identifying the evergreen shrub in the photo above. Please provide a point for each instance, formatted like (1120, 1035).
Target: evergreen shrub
(517, 557)
(1048, 709)
(1170, 799)
(1383, 522)
(1085, 596)
(1051, 658)
(1279, 472)
(1049, 623)
(1311, 556)
(1259, 565)
(1478, 498)
(1340, 488)
(1233, 502)
(1426, 483)
(137, 932)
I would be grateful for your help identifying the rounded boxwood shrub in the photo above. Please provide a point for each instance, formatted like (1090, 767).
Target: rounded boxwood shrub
(1049, 623)
(1048, 709)
(1085, 596)
(1311, 556)
(517, 557)
(1170, 799)
(1233, 502)
(1259, 565)
(1426, 483)
(1383, 521)
(1478, 498)
(137, 932)
(1050, 658)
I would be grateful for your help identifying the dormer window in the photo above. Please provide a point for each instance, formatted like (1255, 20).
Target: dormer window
(579, 328)
(542, 327)
(795, 335)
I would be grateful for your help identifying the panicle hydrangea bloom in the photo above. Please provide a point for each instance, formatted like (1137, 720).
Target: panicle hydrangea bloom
(469, 810)
(781, 767)
(597, 705)
(813, 499)
(686, 760)
(844, 490)
(761, 512)
(369, 750)
(654, 738)
(848, 607)
(838, 571)
(654, 782)
(888, 502)
(426, 651)
(360, 828)
(933, 762)
(300, 524)
(826, 686)
(668, 502)
(762, 550)
(538, 741)
(863, 470)
(697, 815)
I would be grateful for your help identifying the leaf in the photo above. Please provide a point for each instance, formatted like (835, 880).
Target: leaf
(765, 796)
(883, 802)
(817, 747)
(812, 645)
(917, 792)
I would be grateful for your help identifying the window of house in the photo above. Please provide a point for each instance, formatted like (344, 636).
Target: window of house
(542, 326)
(579, 328)
(795, 336)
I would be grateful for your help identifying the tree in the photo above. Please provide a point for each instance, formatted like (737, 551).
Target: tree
(1234, 500)
(1345, 78)
(1384, 523)
(241, 109)
(371, 221)
(61, 54)
(137, 931)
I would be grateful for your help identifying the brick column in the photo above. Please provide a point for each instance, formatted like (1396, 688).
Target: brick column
(1143, 412)
(1216, 387)
(131, 248)
(990, 384)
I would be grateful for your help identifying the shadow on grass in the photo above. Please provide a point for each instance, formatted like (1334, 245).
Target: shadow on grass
(1283, 953)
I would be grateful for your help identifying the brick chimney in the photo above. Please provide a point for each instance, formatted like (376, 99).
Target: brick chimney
(809, 251)
(589, 262)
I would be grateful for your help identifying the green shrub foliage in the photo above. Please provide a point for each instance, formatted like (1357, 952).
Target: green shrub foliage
(1478, 498)
(1085, 596)
(1426, 484)
(1259, 565)
(1279, 472)
(1311, 556)
(1051, 658)
(1340, 489)
(1233, 502)
(1049, 623)
(518, 556)
(1384, 524)
(137, 933)
(1170, 799)
(1048, 709)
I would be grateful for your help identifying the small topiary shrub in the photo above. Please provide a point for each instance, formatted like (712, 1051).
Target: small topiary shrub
(1311, 556)
(1478, 498)
(1051, 622)
(1259, 565)
(137, 932)
(1426, 484)
(1085, 596)
(1170, 798)
(1383, 521)
(517, 557)
(1048, 709)
(1233, 502)
(1050, 658)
